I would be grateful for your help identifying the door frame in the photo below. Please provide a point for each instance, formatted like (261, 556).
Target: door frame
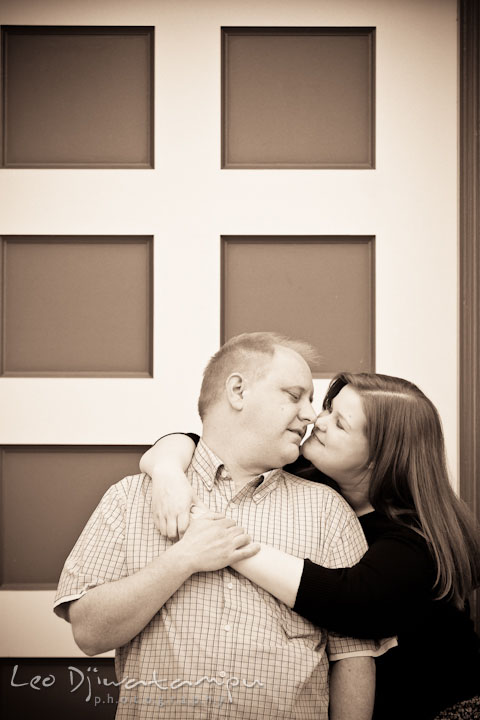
(469, 260)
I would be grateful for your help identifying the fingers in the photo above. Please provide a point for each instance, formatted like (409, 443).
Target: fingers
(200, 514)
(197, 511)
(199, 503)
(157, 520)
(241, 539)
(245, 552)
(183, 521)
(175, 526)
(171, 527)
(161, 524)
(228, 523)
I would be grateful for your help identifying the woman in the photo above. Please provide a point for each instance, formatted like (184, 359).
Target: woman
(380, 439)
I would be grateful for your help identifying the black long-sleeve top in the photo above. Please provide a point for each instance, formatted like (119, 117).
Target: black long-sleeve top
(390, 592)
(379, 596)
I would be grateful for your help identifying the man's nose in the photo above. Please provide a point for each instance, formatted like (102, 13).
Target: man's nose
(307, 412)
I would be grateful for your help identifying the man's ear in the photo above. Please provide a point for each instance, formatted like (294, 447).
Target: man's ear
(235, 387)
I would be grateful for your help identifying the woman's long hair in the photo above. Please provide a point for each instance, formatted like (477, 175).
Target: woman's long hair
(409, 476)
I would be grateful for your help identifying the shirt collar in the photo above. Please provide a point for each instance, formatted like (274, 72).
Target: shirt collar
(206, 464)
(209, 466)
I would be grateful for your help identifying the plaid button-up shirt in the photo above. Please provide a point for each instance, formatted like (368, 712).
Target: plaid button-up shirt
(221, 647)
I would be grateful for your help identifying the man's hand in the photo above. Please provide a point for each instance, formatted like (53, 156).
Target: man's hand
(172, 499)
(213, 541)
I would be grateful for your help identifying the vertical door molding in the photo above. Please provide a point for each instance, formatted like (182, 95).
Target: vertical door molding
(469, 19)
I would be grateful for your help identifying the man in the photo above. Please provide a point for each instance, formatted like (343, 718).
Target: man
(197, 641)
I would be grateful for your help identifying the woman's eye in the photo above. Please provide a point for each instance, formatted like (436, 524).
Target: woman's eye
(339, 425)
(294, 396)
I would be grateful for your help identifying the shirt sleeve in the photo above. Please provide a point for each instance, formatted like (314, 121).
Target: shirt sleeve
(345, 547)
(380, 595)
(98, 555)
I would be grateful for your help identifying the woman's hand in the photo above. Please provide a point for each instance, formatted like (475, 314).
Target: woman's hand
(172, 500)
(213, 541)
(172, 494)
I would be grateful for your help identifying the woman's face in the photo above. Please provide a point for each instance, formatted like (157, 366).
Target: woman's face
(338, 445)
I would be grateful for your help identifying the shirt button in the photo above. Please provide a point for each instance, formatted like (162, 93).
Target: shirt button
(227, 628)
(230, 586)
(222, 673)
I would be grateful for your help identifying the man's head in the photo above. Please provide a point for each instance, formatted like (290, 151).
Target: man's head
(259, 386)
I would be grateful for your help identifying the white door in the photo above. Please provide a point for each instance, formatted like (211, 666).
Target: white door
(187, 202)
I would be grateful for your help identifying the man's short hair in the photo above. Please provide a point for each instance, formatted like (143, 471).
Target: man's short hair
(245, 353)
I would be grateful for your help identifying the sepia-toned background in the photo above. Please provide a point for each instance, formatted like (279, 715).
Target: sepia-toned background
(175, 172)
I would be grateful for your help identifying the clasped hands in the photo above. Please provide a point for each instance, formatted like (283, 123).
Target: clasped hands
(211, 540)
